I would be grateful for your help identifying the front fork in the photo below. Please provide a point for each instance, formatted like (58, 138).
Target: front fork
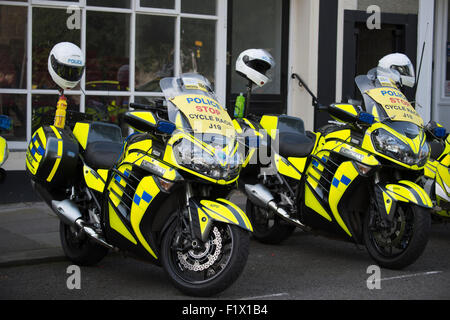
(188, 195)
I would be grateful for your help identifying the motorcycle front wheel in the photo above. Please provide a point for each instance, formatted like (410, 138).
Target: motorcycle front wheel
(397, 244)
(204, 268)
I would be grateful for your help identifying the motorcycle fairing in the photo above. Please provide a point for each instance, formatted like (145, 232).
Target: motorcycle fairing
(415, 143)
(403, 191)
(3, 150)
(169, 156)
(146, 191)
(95, 180)
(443, 180)
(220, 210)
(128, 224)
(342, 179)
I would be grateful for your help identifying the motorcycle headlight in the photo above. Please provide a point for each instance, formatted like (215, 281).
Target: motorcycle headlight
(424, 154)
(391, 146)
(216, 166)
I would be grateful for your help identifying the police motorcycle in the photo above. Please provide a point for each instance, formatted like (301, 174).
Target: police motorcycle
(353, 180)
(159, 195)
(436, 177)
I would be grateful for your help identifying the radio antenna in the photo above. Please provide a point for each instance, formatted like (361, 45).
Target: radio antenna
(421, 60)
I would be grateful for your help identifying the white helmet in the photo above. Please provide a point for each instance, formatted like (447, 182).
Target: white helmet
(253, 64)
(66, 64)
(401, 63)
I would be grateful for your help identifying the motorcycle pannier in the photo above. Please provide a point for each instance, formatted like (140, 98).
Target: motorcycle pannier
(52, 156)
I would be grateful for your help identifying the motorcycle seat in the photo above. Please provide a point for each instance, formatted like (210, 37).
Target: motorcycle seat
(296, 145)
(104, 145)
(292, 139)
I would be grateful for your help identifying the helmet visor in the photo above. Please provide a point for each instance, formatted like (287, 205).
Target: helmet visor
(406, 70)
(259, 65)
(68, 73)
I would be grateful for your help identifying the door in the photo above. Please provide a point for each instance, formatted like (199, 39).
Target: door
(363, 48)
(248, 28)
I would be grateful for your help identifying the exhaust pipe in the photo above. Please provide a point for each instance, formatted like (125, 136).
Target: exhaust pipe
(262, 197)
(69, 213)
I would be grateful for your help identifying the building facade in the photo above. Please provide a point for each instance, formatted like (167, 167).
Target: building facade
(131, 44)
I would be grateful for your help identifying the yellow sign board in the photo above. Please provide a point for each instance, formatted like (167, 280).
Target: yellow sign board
(395, 104)
(205, 115)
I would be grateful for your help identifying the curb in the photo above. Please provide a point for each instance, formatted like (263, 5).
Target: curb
(32, 257)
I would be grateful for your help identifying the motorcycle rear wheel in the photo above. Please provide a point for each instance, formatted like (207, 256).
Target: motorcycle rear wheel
(268, 228)
(402, 242)
(80, 249)
(204, 269)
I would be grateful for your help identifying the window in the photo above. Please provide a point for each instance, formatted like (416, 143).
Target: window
(49, 28)
(13, 47)
(13, 71)
(198, 47)
(155, 49)
(107, 51)
(129, 46)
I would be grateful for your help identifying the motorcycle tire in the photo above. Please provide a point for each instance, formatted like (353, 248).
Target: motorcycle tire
(266, 231)
(404, 242)
(211, 267)
(80, 250)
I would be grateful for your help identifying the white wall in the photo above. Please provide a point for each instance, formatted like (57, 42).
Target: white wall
(343, 5)
(303, 58)
(425, 33)
(441, 103)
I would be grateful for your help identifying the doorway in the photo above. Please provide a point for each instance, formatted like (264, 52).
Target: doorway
(363, 48)
(259, 24)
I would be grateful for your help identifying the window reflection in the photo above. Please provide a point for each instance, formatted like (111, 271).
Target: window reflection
(49, 28)
(108, 109)
(110, 3)
(155, 38)
(43, 107)
(108, 51)
(199, 6)
(13, 116)
(198, 47)
(13, 47)
(163, 4)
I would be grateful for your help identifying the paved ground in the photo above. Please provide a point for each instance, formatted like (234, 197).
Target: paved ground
(304, 267)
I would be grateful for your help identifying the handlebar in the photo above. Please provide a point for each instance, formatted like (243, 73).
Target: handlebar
(157, 106)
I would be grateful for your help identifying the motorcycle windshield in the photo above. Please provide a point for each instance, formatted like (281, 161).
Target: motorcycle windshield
(388, 104)
(192, 105)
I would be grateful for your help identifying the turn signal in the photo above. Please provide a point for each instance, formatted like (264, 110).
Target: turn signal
(363, 169)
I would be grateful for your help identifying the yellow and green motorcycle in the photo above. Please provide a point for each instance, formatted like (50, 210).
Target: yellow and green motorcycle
(353, 179)
(436, 177)
(160, 195)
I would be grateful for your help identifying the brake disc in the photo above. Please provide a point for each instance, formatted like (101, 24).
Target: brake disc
(201, 261)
